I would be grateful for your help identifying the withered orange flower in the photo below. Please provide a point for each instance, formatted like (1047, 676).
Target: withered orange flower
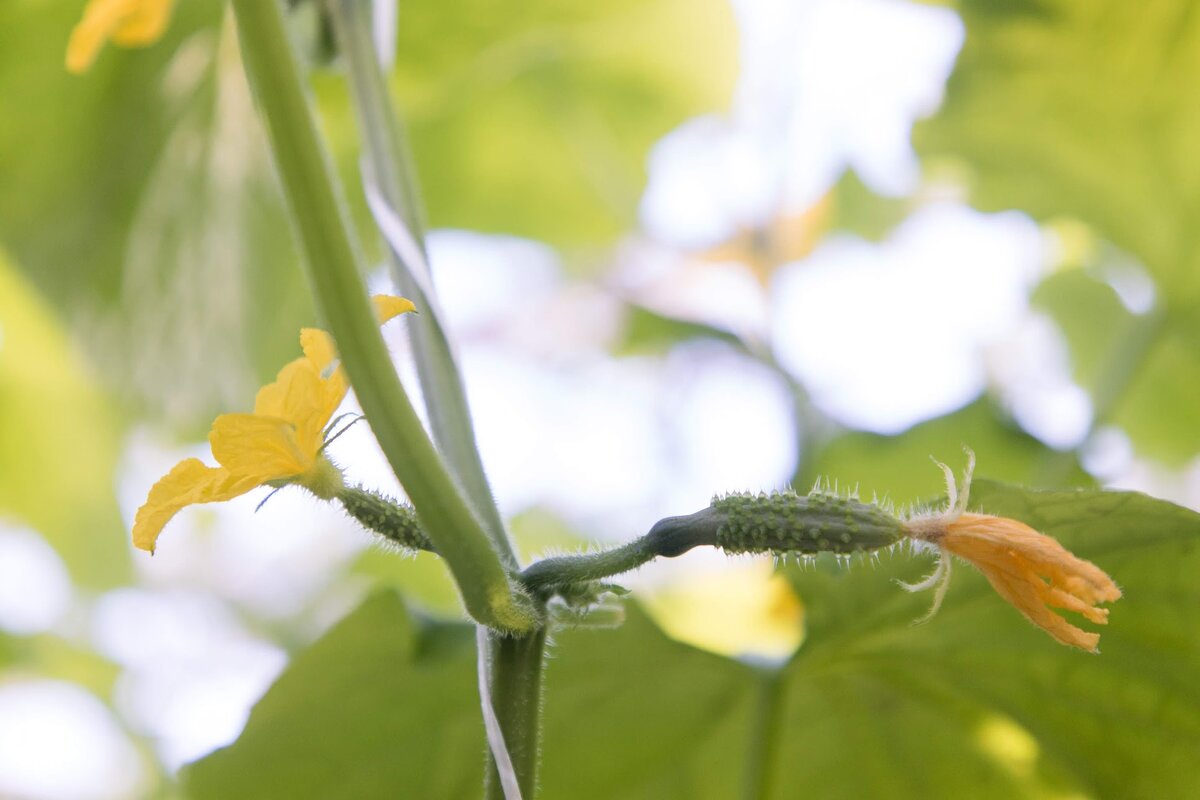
(1030, 570)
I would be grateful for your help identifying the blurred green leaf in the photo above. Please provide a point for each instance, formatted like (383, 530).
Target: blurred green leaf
(1092, 318)
(142, 204)
(974, 703)
(51, 656)
(899, 467)
(422, 577)
(538, 531)
(859, 210)
(1084, 109)
(648, 331)
(539, 123)
(1158, 409)
(381, 706)
(58, 448)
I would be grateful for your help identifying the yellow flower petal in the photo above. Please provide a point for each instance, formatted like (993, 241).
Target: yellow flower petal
(129, 23)
(300, 396)
(144, 23)
(388, 306)
(189, 482)
(283, 438)
(318, 348)
(264, 448)
(100, 19)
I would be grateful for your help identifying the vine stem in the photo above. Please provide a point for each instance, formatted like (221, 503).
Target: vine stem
(388, 168)
(511, 665)
(516, 665)
(669, 537)
(764, 735)
(332, 262)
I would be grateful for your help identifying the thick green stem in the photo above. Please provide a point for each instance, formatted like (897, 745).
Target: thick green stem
(332, 262)
(516, 665)
(388, 166)
(764, 736)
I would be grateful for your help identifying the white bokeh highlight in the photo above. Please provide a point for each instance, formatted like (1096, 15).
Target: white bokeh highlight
(35, 589)
(191, 671)
(1032, 368)
(58, 742)
(888, 335)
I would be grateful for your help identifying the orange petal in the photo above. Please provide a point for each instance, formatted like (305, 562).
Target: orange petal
(190, 481)
(1033, 572)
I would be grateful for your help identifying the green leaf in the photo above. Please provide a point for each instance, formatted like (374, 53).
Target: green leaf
(58, 444)
(900, 468)
(859, 210)
(422, 578)
(1083, 109)
(539, 123)
(1158, 409)
(379, 707)
(1120, 724)
(974, 703)
(1091, 316)
(144, 207)
(51, 656)
(632, 714)
(648, 331)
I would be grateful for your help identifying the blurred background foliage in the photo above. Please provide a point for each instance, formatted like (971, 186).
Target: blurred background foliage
(686, 247)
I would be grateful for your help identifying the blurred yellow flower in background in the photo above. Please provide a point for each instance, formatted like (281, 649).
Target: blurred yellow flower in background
(743, 610)
(280, 442)
(128, 23)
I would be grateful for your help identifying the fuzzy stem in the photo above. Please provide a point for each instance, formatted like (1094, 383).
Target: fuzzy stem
(516, 667)
(323, 229)
(669, 537)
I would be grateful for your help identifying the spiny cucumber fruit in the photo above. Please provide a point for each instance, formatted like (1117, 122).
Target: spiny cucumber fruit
(396, 522)
(786, 522)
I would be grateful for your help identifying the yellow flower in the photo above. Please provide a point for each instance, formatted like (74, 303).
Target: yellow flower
(281, 442)
(129, 23)
(1030, 570)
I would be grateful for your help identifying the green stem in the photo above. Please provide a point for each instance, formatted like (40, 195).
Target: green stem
(322, 227)
(389, 167)
(516, 667)
(669, 537)
(764, 736)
